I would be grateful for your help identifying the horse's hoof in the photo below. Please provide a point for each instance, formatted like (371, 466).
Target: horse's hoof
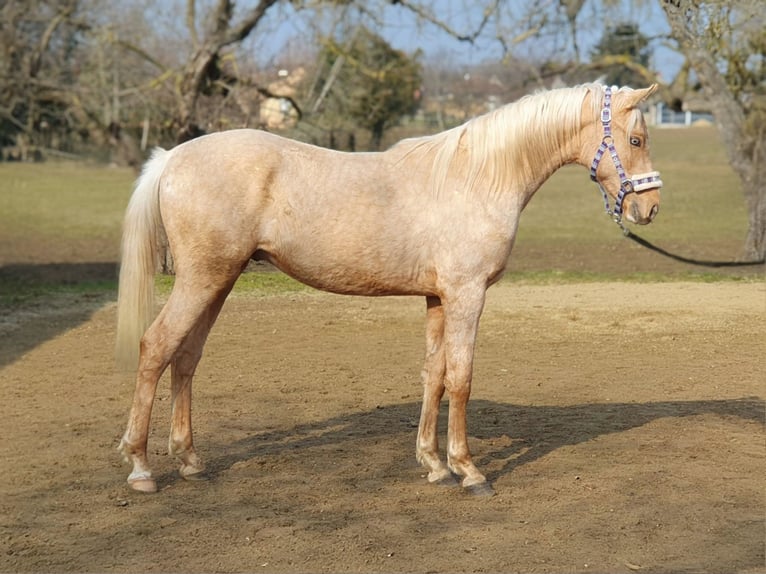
(145, 485)
(480, 489)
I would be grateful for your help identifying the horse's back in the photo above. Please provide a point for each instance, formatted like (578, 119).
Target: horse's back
(249, 158)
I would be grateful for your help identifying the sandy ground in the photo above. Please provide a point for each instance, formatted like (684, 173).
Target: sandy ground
(622, 426)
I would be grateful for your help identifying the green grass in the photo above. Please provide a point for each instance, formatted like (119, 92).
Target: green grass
(266, 283)
(66, 213)
(559, 277)
(64, 203)
(15, 293)
(256, 283)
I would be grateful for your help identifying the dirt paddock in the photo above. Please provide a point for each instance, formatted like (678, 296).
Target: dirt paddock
(622, 426)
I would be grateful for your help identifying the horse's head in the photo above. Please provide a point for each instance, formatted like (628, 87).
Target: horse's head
(618, 142)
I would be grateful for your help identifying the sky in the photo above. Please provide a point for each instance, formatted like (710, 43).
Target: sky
(402, 29)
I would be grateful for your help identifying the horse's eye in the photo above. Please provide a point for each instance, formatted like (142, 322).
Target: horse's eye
(635, 141)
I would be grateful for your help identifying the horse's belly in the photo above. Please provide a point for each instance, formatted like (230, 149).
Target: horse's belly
(357, 277)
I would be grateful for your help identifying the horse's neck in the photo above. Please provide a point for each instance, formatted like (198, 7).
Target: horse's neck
(538, 168)
(543, 163)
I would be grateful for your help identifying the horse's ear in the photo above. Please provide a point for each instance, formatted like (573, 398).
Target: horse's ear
(635, 97)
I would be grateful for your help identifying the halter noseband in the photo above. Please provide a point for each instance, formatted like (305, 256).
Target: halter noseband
(627, 185)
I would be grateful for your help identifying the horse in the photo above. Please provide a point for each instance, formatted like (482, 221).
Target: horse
(433, 216)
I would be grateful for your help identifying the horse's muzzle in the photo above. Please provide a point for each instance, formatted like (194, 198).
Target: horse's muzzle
(642, 212)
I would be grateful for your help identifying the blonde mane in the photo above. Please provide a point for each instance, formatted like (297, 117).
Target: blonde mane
(499, 147)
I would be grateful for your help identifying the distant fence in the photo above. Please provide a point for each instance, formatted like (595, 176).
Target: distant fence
(665, 117)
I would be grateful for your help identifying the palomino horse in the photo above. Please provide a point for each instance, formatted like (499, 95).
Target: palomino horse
(434, 216)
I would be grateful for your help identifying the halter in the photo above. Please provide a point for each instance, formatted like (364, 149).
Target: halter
(628, 185)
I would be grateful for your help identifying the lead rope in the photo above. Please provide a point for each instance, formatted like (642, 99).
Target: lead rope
(700, 262)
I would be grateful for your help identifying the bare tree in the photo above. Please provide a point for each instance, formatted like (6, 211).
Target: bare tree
(204, 66)
(725, 44)
(572, 9)
(36, 66)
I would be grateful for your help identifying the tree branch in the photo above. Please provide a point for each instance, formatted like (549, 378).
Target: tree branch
(140, 52)
(601, 64)
(45, 40)
(427, 16)
(240, 31)
(191, 22)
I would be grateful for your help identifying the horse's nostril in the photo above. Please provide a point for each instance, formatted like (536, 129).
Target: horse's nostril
(654, 211)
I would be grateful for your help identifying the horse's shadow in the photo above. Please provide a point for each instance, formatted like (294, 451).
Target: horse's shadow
(528, 432)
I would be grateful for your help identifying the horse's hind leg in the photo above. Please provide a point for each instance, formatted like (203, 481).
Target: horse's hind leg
(427, 447)
(157, 348)
(187, 305)
(182, 369)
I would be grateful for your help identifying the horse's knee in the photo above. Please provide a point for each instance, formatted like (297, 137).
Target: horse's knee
(458, 388)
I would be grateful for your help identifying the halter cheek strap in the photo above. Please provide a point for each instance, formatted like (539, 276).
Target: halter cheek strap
(628, 185)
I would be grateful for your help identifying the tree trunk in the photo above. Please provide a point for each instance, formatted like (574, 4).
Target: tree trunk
(223, 33)
(376, 136)
(755, 195)
(743, 142)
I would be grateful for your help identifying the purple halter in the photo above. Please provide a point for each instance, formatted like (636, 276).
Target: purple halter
(627, 185)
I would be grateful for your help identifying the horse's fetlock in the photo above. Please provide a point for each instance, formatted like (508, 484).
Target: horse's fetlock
(176, 449)
(126, 450)
(180, 447)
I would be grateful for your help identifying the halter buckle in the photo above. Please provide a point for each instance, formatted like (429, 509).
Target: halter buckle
(606, 115)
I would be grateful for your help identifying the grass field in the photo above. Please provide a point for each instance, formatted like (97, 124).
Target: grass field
(60, 225)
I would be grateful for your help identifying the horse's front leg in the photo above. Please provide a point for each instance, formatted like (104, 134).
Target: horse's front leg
(462, 313)
(427, 447)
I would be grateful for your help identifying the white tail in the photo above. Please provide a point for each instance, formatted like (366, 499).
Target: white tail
(141, 235)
